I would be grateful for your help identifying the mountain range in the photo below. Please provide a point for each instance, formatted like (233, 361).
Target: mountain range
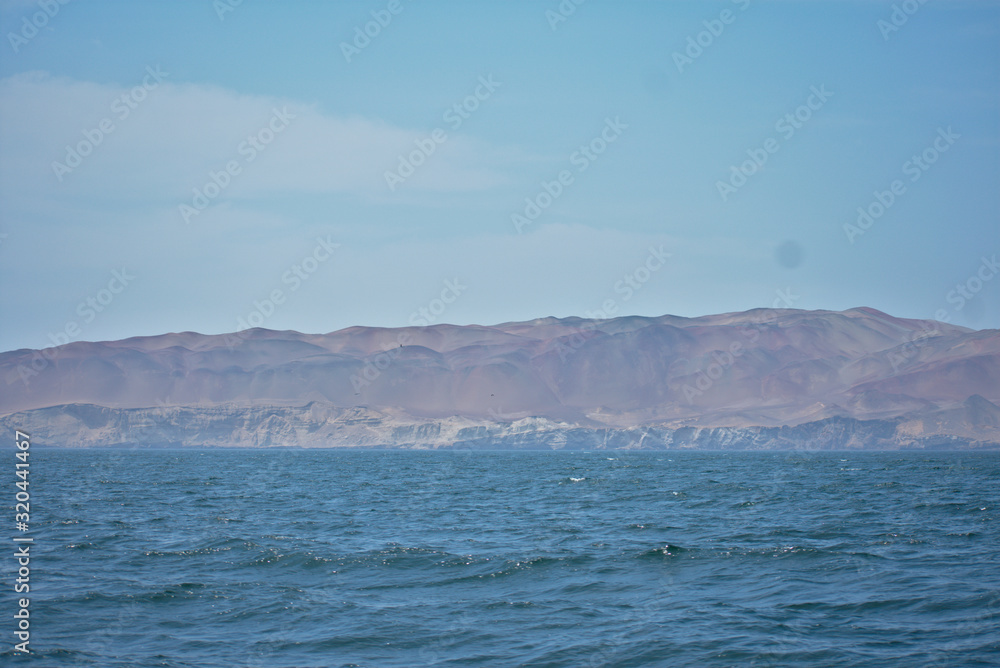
(760, 379)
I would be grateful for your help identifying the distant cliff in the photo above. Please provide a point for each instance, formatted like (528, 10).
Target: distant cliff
(753, 380)
(315, 425)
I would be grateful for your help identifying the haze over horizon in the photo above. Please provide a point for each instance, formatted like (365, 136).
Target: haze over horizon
(244, 327)
(279, 167)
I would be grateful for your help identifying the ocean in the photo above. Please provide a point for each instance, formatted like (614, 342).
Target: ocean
(223, 558)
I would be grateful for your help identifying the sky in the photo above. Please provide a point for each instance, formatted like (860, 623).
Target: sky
(214, 165)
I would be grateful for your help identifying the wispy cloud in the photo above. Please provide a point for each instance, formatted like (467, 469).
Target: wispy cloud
(163, 147)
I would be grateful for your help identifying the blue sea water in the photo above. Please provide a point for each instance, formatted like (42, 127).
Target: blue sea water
(399, 558)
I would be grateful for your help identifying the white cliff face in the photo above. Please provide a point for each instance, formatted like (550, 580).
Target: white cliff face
(326, 426)
(760, 379)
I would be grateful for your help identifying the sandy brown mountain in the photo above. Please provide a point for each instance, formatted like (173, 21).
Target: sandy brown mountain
(761, 379)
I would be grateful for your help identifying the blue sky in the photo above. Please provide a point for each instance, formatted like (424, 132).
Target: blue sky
(644, 126)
